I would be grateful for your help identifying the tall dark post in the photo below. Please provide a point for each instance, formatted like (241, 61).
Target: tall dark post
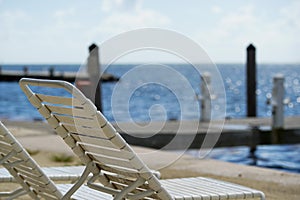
(93, 69)
(251, 81)
(25, 70)
(51, 72)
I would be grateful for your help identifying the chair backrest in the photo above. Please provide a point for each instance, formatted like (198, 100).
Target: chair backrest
(24, 169)
(87, 132)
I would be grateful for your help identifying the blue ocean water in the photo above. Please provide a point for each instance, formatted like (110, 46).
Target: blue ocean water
(281, 157)
(144, 97)
(143, 101)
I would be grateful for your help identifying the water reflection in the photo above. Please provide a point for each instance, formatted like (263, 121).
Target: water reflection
(282, 157)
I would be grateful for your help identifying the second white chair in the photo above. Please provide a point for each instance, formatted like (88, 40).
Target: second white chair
(117, 170)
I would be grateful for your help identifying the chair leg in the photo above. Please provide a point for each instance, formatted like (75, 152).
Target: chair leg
(12, 195)
(80, 181)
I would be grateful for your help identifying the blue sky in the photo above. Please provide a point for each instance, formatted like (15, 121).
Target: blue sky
(59, 31)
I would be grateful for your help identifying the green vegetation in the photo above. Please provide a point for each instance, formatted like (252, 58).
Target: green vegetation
(63, 158)
(32, 152)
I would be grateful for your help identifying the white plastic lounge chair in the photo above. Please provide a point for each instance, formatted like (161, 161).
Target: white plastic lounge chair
(68, 173)
(116, 168)
(65, 173)
(29, 175)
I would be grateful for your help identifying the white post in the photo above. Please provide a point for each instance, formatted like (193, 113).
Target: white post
(205, 97)
(277, 102)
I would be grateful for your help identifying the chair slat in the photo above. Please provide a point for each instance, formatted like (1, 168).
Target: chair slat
(33, 173)
(78, 121)
(58, 100)
(85, 131)
(118, 179)
(111, 161)
(83, 139)
(43, 190)
(5, 147)
(111, 152)
(122, 172)
(23, 166)
(68, 111)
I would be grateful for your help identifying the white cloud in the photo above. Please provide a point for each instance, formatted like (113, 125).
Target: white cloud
(124, 15)
(119, 22)
(230, 26)
(64, 13)
(290, 16)
(120, 5)
(49, 39)
(241, 20)
(63, 32)
(226, 38)
(216, 10)
(63, 20)
(13, 25)
(13, 16)
(225, 33)
(276, 37)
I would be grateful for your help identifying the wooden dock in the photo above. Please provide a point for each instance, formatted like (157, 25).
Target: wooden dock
(13, 76)
(236, 132)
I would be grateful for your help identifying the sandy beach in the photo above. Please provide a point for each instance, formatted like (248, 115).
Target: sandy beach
(45, 147)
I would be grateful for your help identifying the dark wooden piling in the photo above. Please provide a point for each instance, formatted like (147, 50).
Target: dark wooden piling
(25, 70)
(51, 72)
(94, 71)
(251, 81)
(254, 141)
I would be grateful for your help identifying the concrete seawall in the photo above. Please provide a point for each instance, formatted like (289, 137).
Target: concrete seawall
(235, 132)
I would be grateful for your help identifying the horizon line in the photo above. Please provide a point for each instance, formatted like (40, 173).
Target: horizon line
(139, 63)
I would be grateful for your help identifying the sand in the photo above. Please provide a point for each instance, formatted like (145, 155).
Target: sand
(44, 145)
